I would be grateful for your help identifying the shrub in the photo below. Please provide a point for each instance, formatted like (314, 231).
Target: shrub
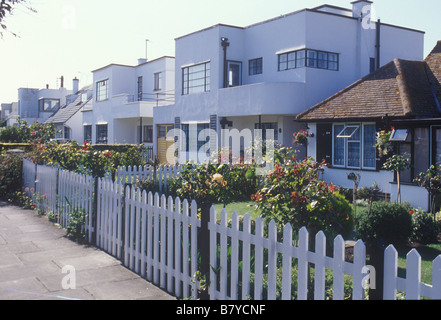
(10, 174)
(424, 228)
(389, 222)
(294, 194)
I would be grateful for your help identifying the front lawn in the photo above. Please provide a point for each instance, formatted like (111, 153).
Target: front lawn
(242, 208)
(428, 254)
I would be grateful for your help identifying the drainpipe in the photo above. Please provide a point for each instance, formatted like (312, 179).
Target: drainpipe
(377, 46)
(225, 44)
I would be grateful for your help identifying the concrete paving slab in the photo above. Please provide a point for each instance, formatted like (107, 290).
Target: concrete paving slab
(33, 253)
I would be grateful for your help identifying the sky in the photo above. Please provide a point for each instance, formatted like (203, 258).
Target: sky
(71, 38)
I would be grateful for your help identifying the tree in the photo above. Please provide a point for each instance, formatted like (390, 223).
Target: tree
(6, 8)
(397, 163)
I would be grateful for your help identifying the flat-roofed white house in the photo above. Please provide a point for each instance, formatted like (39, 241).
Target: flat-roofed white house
(123, 101)
(263, 75)
(37, 104)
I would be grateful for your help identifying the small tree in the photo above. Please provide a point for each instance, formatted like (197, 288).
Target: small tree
(397, 163)
(431, 181)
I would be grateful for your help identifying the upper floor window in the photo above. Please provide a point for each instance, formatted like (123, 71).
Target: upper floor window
(157, 81)
(308, 58)
(255, 66)
(196, 78)
(48, 105)
(102, 90)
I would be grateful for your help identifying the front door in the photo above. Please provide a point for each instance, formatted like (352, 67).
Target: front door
(164, 150)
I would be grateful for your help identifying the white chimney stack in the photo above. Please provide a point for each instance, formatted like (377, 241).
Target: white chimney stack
(75, 85)
(361, 7)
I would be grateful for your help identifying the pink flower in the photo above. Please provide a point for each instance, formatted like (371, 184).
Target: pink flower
(44, 196)
(33, 133)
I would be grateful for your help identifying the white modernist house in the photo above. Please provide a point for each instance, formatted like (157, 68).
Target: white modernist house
(123, 101)
(38, 104)
(263, 75)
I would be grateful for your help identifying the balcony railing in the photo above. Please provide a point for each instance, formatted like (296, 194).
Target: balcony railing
(159, 98)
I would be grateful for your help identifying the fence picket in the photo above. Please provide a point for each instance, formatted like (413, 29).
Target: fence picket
(339, 257)
(359, 264)
(319, 268)
(246, 257)
(413, 289)
(287, 262)
(178, 240)
(234, 255)
(258, 265)
(303, 264)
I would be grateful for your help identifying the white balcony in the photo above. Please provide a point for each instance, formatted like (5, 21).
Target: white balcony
(268, 98)
(125, 106)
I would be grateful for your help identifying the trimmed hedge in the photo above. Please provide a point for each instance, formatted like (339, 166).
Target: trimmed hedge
(10, 146)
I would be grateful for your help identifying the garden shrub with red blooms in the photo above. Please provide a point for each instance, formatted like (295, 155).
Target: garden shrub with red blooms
(294, 194)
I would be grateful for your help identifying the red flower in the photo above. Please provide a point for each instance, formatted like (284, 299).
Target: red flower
(108, 154)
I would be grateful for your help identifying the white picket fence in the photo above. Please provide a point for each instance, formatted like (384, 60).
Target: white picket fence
(157, 238)
(75, 192)
(131, 175)
(232, 238)
(412, 286)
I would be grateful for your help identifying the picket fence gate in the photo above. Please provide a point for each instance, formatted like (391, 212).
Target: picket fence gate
(157, 237)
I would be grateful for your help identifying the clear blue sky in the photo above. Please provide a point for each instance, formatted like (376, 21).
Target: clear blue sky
(74, 37)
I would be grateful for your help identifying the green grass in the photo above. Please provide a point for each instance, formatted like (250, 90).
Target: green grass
(428, 254)
(242, 208)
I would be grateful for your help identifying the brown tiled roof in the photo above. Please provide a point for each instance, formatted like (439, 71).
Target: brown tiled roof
(400, 89)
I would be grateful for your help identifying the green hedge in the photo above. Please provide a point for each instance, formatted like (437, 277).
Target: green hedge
(11, 146)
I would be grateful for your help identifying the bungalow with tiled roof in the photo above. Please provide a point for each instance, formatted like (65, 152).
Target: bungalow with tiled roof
(404, 95)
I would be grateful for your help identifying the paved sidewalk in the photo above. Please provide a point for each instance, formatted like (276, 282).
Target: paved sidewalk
(33, 253)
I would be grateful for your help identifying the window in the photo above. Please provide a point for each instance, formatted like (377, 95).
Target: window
(139, 88)
(102, 90)
(354, 146)
(101, 134)
(48, 105)
(372, 65)
(157, 81)
(196, 78)
(67, 133)
(308, 58)
(399, 135)
(88, 133)
(268, 126)
(255, 66)
(234, 74)
(148, 134)
(185, 127)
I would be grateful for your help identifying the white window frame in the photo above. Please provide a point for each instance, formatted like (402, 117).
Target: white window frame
(356, 127)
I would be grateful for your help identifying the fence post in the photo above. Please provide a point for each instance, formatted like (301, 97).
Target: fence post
(204, 246)
(376, 251)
